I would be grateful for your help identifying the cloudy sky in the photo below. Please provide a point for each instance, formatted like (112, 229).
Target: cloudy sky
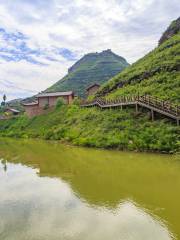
(40, 39)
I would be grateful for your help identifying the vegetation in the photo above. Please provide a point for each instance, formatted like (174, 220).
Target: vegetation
(4, 99)
(97, 128)
(3, 103)
(92, 68)
(156, 74)
(60, 102)
(46, 106)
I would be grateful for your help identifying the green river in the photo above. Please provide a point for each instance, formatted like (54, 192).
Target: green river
(50, 191)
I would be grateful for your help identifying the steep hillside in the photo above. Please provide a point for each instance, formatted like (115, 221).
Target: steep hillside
(158, 74)
(92, 68)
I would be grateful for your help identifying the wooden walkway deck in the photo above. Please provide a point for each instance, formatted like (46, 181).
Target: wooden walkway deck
(154, 104)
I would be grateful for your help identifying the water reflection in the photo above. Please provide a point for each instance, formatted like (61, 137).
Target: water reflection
(4, 164)
(32, 207)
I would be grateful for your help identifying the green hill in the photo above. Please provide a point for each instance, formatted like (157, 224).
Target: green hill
(158, 73)
(92, 68)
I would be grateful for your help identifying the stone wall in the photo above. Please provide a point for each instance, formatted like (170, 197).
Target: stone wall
(32, 111)
(43, 101)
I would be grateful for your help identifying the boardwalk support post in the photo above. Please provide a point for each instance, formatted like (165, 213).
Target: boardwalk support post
(136, 108)
(177, 122)
(152, 115)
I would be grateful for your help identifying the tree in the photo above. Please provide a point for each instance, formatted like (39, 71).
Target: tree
(4, 98)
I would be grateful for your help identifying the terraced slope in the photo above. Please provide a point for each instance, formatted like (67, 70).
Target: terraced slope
(157, 74)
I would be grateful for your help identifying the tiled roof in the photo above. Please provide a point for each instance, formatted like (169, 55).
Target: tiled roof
(13, 110)
(54, 94)
(30, 104)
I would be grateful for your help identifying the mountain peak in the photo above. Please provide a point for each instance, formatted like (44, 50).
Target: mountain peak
(91, 68)
(104, 55)
(107, 51)
(173, 29)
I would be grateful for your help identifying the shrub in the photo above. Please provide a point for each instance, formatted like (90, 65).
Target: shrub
(76, 101)
(46, 106)
(60, 102)
(48, 135)
(96, 128)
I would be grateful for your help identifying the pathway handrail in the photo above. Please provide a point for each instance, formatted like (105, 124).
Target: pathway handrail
(148, 100)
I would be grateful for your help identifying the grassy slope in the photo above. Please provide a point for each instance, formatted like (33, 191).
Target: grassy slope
(92, 68)
(157, 74)
(96, 128)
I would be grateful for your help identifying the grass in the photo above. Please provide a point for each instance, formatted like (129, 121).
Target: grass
(97, 128)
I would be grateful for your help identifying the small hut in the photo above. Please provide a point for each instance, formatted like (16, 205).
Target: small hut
(92, 89)
(46, 99)
(12, 111)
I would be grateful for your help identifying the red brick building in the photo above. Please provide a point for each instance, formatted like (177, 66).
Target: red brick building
(92, 89)
(47, 99)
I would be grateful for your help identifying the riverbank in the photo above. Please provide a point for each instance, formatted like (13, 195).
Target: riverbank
(124, 130)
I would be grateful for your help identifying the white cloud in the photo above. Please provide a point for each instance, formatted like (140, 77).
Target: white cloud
(129, 27)
(29, 78)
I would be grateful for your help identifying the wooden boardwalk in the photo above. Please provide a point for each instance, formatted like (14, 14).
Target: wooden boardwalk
(154, 104)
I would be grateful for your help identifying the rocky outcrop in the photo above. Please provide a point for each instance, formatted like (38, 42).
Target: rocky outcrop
(173, 29)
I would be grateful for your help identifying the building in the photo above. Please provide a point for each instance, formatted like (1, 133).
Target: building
(8, 113)
(46, 100)
(92, 89)
(11, 111)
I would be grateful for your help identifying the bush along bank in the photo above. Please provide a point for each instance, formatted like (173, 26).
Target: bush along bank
(92, 127)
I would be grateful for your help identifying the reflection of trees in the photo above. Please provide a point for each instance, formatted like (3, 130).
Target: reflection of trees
(4, 163)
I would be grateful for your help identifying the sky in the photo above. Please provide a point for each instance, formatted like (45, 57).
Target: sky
(41, 39)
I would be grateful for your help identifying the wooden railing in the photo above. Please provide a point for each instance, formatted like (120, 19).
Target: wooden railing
(153, 103)
(160, 104)
(107, 102)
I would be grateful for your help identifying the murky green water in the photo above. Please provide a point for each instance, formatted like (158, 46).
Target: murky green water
(50, 191)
